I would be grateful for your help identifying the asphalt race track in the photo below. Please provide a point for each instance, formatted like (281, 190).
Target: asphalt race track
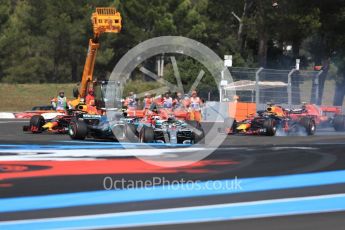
(48, 181)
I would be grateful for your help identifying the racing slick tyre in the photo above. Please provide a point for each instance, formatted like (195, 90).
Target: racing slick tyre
(146, 135)
(270, 126)
(77, 130)
(199, 134)
(339, 123)
(131, 133)
(309, 125)
(36, 123)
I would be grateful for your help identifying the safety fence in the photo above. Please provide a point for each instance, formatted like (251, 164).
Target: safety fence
(289, 88)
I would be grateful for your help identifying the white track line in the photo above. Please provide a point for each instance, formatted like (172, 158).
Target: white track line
(86, 154)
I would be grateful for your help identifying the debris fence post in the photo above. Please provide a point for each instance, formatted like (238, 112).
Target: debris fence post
(289, 88)
(257, 87)
(317, 82)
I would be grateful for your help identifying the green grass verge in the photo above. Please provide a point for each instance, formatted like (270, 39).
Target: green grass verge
(21, 97)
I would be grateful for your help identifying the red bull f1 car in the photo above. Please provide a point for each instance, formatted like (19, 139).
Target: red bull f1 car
(301, 121)
(273, 120)
(54, 122)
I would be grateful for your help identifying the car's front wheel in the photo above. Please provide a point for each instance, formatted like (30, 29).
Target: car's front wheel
(36, 123)
(146, 134)
(309, 125)
(271, 127)
(77, 130)
(339, 123)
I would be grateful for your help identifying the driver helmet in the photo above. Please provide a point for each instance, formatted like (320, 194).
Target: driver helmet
(269, 106)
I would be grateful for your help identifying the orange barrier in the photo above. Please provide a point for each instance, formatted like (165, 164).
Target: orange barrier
(181, 114)
(136, 113)
(241, 110)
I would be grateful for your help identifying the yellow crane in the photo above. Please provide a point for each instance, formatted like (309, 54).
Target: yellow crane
(104, 20)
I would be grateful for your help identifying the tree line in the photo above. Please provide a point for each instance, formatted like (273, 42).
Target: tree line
(46, 40)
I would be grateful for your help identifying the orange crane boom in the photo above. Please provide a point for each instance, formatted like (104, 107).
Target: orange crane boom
(104, 20)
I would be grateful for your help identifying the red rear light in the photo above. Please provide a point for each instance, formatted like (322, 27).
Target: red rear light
(317, 67)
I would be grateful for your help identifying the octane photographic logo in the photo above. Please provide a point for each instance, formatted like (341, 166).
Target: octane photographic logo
(170, 46)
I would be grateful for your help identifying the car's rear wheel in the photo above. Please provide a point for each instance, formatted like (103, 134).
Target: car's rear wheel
(271, 127)
(146, 135)
(36, 123)
(339, 123)
(77, 130)
(309, 125)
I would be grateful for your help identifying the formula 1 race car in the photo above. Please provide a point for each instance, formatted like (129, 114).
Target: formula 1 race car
(136, 130)
(273, 120)
(138, 126)
(324, 116)
(98, 127)
(162, 125)
(55, 123)
(171, 131)
(59, 122)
